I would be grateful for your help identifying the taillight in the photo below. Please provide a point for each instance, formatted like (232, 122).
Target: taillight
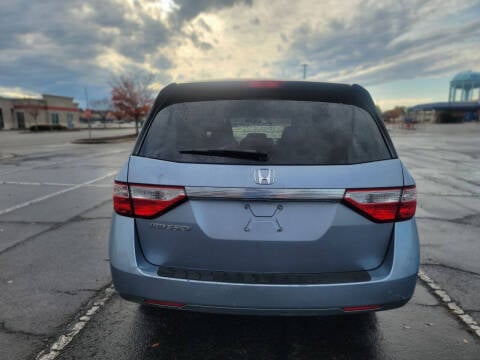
(408, 203)
(150, 201)
(145, 201)
(383, 205)
(269, 84)
(122, 203)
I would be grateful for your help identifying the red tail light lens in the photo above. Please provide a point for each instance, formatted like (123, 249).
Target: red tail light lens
(408, 204)
(383, 205)
(150, 201)
(146, 201)
(121, 199)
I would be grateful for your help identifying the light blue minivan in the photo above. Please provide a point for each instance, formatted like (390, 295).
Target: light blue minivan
(265, 197)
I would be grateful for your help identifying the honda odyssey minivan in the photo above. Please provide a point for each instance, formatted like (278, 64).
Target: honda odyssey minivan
(264, 197)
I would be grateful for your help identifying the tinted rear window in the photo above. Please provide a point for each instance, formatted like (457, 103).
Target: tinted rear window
(290, 132)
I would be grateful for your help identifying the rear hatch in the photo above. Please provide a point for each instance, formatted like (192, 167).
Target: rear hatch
(264, 182)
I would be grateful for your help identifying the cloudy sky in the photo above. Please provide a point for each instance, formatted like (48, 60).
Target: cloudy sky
(404, 52)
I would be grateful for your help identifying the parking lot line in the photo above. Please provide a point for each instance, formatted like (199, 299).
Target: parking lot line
(75, 328)
(60, 192)
(48, 184)
(446, 300)
(8, 172)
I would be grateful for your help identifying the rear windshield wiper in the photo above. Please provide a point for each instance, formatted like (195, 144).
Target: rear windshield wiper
(238, 154)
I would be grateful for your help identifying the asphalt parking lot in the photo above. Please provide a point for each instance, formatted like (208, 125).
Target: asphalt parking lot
(55, 207)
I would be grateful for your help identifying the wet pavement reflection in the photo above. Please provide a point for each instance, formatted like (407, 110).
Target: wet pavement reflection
(422, 329)
(187, 335)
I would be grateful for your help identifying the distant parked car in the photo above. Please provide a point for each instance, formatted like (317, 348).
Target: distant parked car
(265, 197)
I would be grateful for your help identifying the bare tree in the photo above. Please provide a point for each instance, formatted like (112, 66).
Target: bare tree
(132, 96)
(102, 107)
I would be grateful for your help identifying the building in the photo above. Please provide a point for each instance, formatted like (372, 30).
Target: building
(465, 108)
(22, 113)
(445, 112)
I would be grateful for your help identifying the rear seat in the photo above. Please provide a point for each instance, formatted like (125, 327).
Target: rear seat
(257, 141)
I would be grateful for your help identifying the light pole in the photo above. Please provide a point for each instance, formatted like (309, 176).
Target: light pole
(88, 115)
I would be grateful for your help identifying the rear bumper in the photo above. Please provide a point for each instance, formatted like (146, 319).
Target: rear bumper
(391, 285)
(263, 299)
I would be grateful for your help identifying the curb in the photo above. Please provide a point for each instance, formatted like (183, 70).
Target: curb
(105, 140)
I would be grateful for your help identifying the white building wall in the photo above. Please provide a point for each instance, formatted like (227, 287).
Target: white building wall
(49, 108)
(6, 107)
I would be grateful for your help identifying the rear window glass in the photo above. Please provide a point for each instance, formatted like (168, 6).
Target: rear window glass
(289, 132)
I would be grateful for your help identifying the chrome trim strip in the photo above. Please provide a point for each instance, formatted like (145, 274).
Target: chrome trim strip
(206, 192)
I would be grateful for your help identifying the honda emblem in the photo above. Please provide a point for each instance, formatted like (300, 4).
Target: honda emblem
(264, 176)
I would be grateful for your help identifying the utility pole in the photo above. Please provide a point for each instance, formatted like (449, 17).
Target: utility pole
(304, 71)
(88, 114)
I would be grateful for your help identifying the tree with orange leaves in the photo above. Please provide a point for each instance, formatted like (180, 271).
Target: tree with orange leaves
(132, 96)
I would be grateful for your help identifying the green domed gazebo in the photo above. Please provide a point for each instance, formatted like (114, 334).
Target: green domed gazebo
(466, 82)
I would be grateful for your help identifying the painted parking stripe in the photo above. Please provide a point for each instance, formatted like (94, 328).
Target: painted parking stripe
(48, 184)
(60, 192)
(446, 300)
(74, 329)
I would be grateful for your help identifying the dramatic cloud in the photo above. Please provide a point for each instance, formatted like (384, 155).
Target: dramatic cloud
(387, 43)
(62, 47)
(190, 9)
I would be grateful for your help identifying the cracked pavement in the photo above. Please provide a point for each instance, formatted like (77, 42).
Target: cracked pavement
(53, 253)
(54, 262)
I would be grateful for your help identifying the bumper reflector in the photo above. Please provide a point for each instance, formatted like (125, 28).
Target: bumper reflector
(163, 303)
(361, 308)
